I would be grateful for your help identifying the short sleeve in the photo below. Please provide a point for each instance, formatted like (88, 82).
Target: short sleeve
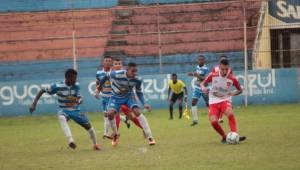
(52, 89)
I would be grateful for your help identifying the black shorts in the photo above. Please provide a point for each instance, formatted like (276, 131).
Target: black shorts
(175, 97)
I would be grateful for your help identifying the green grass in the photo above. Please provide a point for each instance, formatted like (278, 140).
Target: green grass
(35, 143)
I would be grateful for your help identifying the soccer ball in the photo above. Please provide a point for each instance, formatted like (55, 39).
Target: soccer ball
(232, 138)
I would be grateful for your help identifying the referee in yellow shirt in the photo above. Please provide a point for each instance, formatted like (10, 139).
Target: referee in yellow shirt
(177, 91)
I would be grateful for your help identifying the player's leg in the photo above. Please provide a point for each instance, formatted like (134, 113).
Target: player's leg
(132, 103)
(196, 96)
(118, 120)
(106, 121)
(113, 108)
(63, 121)
(171, 104)
(228, 111)
(83, 121)
(214, 112)
(180, 98)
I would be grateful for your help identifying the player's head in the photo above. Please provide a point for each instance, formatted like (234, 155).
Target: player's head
(70, 77)
(131, 70)
(222, 57)
(174, 77)
(117, 64)
(224, 66)
(201, 60)
(107, 62)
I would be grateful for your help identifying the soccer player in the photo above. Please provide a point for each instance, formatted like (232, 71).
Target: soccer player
(201, 72)
(220, 97)
(123, 84)
(177, 91)
(217, 67)
(69, 99)
(117, 65)
(106, 93)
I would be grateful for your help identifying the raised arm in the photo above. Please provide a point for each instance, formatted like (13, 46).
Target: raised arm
(36, 99)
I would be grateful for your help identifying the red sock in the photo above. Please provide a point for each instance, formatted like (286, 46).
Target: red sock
(232, 123)
(118, 119)
(218, 128)
(136, 122)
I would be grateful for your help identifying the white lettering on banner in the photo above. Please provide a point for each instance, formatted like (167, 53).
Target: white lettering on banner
(259, 84)
(288, 10)
(23, 94)
(92, 87)
(153, 91)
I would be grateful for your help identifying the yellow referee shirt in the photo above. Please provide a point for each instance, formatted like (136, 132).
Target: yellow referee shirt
(176, 88)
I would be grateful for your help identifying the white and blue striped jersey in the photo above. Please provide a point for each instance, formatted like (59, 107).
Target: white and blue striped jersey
(122, 86)
(106, 90)
(67, 96)
(203, 72)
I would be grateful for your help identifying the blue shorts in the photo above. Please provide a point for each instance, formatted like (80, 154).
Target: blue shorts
(198, 93)
(75, 115)
(105, 101)
(116, 102)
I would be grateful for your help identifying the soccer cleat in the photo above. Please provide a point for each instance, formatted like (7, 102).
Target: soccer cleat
(97, 147)
(151, 141)
(194, 123)
(72, 145)
(220, 120)
(223, 141)
(171, 118)
(242, 138)
(107, 137)
(115, 141)
(127, 123)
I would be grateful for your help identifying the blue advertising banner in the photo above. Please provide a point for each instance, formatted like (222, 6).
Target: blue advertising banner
(287, 11)
(265, 87)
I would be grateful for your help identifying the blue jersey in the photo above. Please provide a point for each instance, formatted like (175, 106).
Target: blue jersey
(106, 90)
(67, 96)
(203, 72)
(122, 86)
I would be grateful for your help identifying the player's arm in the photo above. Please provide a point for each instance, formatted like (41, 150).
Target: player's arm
(207, 80)
(140, 95)
(185, 93)
(197, 75)
(36, 99)
(238, 87)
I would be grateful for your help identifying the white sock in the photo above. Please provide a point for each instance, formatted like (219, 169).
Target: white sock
(65, 127)
(93, 135)
(123, 118)
(113, 126)
(194, 114)
(106, 125)
(144, 123)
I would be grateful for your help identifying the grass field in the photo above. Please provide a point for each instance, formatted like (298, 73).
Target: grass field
(35, 143)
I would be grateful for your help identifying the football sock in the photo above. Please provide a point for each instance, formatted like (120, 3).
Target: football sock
(65, 127)
(106, 125)
(180, 110)
(194, 114)
(144, 123)
(171, 111)
(113, 126)
(232, 123)
(218, 128)
(93, 135)
(118, 120)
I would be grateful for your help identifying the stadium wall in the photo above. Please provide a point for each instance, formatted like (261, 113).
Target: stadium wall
(265, 87)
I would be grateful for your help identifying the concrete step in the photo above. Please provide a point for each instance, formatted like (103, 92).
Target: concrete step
(116, 42)
(116, 53)
(117, 32)
(121, 22)
(124, 13)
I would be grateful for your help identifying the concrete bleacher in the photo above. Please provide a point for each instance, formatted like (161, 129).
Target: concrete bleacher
(48, 35)
(185, 28)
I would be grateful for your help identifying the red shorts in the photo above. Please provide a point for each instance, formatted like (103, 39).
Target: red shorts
(125, 109)
(218, 109)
